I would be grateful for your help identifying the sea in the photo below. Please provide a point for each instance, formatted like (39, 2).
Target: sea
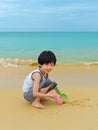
(21, 48)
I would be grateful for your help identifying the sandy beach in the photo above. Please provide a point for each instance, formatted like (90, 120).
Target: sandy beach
(80, 82)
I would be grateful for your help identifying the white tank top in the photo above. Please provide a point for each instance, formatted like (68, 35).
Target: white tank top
(28, 82)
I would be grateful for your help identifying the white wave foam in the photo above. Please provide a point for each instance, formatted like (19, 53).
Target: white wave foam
(16, 62)
(90, 63)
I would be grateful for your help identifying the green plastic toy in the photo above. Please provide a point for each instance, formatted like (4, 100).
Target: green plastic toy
(63, 95)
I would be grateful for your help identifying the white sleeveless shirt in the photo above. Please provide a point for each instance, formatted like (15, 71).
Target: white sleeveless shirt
(28, 82)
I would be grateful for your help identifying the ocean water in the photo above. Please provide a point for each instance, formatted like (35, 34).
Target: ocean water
(69, 47)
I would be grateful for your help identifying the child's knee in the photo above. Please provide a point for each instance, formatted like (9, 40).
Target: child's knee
(52, 86)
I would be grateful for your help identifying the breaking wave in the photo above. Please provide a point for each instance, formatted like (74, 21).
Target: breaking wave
(16, 62)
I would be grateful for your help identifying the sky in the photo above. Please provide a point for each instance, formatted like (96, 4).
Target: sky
(48, 15)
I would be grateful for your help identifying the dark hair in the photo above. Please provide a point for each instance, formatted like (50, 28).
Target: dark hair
(47, 57)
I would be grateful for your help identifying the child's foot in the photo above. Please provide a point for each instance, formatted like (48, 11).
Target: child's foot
(38, 105)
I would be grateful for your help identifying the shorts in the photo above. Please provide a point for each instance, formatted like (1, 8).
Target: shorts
(50, 83)
(29, 95)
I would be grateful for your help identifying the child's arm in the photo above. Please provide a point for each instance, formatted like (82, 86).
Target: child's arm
(36, 93)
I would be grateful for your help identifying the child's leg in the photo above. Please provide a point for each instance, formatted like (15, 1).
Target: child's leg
(44, 90)
(52, 86)
(36, 103)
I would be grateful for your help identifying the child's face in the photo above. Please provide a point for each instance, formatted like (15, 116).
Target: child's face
(46, 68)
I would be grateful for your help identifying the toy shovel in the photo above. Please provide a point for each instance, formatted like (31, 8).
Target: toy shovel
(63, 95)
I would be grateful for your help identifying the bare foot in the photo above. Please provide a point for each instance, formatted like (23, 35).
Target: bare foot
(38, 105)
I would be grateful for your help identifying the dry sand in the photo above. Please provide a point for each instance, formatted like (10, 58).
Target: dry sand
(80, 82)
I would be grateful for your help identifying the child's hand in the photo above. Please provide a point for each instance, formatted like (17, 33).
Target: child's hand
(52, 95)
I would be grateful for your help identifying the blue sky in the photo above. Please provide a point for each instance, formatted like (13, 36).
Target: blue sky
(48, 15)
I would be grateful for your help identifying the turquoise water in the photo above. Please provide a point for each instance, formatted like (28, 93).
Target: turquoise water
(69, 47)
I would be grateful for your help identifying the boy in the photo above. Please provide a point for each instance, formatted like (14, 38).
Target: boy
(37, 84)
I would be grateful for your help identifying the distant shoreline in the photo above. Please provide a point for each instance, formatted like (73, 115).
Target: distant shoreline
(29, 62)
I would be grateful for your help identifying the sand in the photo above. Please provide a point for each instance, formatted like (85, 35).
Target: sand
(79, 113)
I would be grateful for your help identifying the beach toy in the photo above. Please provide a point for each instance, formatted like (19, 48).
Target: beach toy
(59, 99)
(63, 95)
